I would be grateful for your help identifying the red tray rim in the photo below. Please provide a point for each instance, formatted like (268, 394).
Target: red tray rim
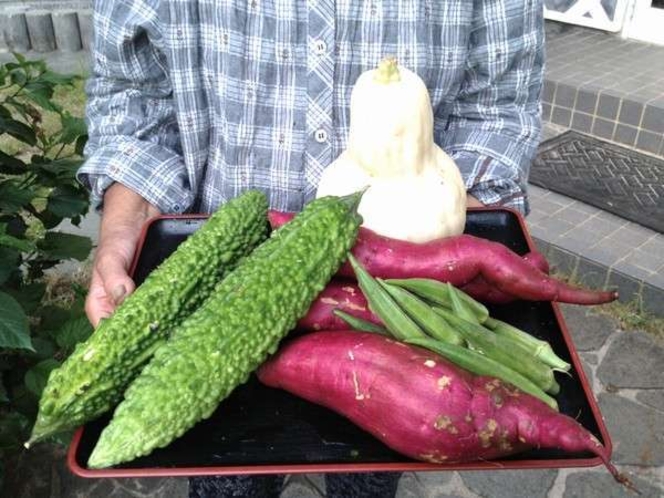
(361, 467)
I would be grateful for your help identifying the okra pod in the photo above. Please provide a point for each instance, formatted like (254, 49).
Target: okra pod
(539, 348)
(511, 355)
(359, 324)
(482, 365)
(460, 307)
(422, 313)
(437, 292)
(397, 322)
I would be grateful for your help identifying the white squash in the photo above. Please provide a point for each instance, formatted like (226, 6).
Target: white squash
(415, 190)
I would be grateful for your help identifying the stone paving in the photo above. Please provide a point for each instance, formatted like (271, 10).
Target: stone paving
(624, 368)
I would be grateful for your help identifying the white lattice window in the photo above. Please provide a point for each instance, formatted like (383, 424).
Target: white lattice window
(602, 14)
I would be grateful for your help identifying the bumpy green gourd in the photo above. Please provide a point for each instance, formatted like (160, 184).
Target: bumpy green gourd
(93, 379)
(231, 334)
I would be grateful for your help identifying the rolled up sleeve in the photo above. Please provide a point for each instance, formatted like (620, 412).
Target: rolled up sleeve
(494, 126)
(132, 126)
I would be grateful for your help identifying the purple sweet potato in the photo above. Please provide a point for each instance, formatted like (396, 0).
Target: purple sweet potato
(338, 294)
(484, 292)
(537, 260)
(460, 260)
(419, 404)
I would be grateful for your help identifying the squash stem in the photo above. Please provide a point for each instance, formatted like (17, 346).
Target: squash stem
(387, 71)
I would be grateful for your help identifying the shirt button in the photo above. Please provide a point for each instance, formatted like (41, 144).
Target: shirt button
(320, 136)
(320, 47)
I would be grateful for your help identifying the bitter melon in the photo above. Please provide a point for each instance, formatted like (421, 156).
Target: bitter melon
(93, 379)
(231, 334)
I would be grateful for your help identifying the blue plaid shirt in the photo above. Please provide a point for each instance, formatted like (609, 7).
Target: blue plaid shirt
(193, 101)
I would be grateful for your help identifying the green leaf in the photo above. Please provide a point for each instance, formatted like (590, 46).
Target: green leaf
(44, 348)
(29, 296)
(8, 362)
(36, 377)
(13, 429)
(52, 318)
(59, 79)
(13, 198)
(40, 87)
(3, 76)
(7, 240)
(4, 398)
(14, 243)
(37, 267)
(23, 401)
(18, 77)
(18, 130)
(10, 165)
(67, 201)
(72, 128)
(79, 148)
(20, 57)
(73, 331)
(14, 330)
(64, 169)
(48, 219)
(61, 245)
(9, 261)
(21, 108)
(41, 98)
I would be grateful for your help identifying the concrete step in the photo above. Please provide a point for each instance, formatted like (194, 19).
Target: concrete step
(605, 86)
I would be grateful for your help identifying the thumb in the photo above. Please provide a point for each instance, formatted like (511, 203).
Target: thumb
(116, 281)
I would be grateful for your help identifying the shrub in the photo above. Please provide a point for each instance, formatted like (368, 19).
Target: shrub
(38, 190)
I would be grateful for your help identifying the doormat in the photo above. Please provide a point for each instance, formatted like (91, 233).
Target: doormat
(606, 176)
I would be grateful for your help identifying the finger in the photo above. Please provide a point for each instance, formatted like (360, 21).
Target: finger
(116, 281)
(97, 303)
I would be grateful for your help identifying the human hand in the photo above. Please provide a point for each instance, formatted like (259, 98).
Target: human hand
(124, 215)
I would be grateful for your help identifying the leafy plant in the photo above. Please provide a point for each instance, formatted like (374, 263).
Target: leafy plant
(38, 190)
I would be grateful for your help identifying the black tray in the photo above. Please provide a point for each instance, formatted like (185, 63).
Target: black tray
(260, 430)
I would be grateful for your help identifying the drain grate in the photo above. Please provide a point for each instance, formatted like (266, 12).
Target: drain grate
(613, 178)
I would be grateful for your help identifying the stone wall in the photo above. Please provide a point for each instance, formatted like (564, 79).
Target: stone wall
(45, 26)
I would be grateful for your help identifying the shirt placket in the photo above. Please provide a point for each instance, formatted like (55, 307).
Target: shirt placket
(320, 73)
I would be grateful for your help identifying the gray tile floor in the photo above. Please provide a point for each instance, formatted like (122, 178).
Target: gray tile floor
(600, 61)
(596, 247)
(600, 84)
(605, 238)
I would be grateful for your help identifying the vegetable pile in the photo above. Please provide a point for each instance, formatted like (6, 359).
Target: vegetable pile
(449, 328)
(396, 334)
(425, 369)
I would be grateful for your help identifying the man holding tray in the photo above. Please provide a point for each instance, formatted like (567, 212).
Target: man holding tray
(193, 101)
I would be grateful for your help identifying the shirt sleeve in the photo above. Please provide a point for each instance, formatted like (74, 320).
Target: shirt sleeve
(494, 126)
(132, 127)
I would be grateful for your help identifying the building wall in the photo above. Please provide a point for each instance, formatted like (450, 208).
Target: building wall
(45, 25)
